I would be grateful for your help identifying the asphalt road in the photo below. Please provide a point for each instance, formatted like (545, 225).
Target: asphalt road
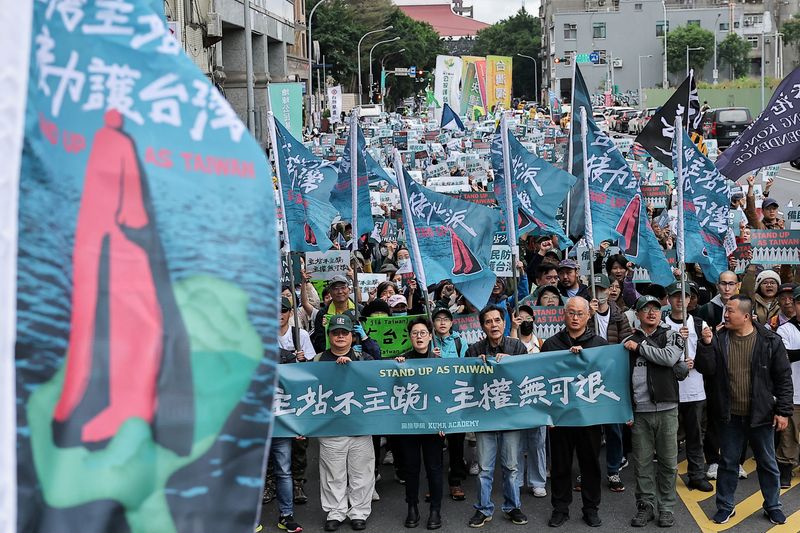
(616, 509)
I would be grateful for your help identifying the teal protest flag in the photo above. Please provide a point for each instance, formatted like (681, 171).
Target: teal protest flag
(306, 182)
(618, 209)
(454, 395)
(706, 203)
(539, 188)
(341, 197)
(575, 206)
(455, 239)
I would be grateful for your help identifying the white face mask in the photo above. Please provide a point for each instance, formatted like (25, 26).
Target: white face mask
(602, 297)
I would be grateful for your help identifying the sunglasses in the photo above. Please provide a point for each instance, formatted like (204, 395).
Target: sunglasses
(285, 310)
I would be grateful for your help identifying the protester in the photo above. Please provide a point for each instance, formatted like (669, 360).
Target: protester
(500, 298)
(752, 407)
(789, 446)
(346, 474)
(786, 309)
(340, 303)
(583, 441)
(712, 312)
(569, 283)
(769, 209)
(548, 296)
(490, 444)
(765, 301)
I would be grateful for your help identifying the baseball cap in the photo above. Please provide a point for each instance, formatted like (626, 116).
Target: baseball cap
(542, 238)
(646, 300)
(675, 288)
(735, 197)
(397, 299)
(693, 287)
(338, 278)
(769, 202)
(796, 293)
(442, 311)
(787, 287)
(568, 263)
(340, 322)
(602, 281)
(285, 303)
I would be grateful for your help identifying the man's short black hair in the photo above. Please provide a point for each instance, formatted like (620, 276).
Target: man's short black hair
(745, 303)
(489, 309)
(544, 268)
(420, 320)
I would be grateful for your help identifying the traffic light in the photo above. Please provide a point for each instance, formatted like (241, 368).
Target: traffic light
(421, 73)
(560, 60)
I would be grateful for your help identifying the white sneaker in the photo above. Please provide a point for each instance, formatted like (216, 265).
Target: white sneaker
(742, 472)
(388, 459)
(712, 471)
(540, 492)
(474, 469)
(375, 496)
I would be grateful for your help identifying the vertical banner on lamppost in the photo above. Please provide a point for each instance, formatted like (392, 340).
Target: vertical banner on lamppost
(446, 87)
(335, 100)
(286, 103)
(472, 85)
(498, 81)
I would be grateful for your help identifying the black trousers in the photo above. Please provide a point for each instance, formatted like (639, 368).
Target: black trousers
(417, 448)
(585, 442)
(691, 414)
(299, 460)
(455, 452)
(711, 439)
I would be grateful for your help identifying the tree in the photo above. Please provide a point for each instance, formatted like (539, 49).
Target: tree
(521, 34)
(693, 36)
(791, 30)
(734, 52)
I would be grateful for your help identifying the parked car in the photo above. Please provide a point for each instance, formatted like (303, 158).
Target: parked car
(637, 124)
(725, 124)
(614, 116)
(600, 119)
(623, 119)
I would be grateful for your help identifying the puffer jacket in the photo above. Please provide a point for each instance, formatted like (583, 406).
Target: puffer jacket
(618, 325)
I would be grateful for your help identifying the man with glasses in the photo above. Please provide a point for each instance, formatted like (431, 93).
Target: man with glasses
(346, 464)
(711, 312)
(583, 441)
(497, 346)
(654, 352)
(340, 304)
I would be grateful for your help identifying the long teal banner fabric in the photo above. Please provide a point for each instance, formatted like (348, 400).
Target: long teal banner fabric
(318, 399)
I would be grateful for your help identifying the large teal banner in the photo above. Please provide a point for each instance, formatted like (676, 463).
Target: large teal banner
(453, 395)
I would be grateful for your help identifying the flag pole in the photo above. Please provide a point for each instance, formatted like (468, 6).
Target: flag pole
(689, 102)
(571, 147)
(587, 206)
(411, 233)
(511, 218)
(287, 243)
(354, 199)
(681, 233)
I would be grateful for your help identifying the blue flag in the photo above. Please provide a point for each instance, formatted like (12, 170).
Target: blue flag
(580, 99)
(450, 120)
(341, 195)
(306, 182)
(618, 209)
(539, 188)
(706, 202)
(455, 240)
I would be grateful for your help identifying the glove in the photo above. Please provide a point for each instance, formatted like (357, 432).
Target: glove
(359, 329)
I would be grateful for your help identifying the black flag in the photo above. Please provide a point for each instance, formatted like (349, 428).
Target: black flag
(656, 137)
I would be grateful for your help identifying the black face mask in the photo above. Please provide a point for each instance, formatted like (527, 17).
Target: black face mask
(526, 328)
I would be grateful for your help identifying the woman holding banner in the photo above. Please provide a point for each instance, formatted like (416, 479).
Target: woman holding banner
(426, 447)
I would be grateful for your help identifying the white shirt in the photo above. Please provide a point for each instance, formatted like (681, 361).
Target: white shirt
(791, 339)
(691, 388)
(287, 343)
(602, 322)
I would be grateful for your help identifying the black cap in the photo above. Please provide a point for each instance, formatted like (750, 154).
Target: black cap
(442, 311)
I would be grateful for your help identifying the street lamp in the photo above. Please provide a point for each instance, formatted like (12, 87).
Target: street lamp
(360, 87)
(665, 27)
(310, 59)
(535, 77)
(716, 72)
(640, 79)
(370, 62)
(691, 49)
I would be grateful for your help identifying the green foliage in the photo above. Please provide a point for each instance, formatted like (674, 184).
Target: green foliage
(692, 36)
(521, 34)
(791, 30)
(740, 83)
(338, 30)
(734, 52)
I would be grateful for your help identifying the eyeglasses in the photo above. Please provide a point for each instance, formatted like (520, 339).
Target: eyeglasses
(419, 334)
(651, 311)
(727, 283)
(576, 314)
(442, 319)
(769, 282)
(284, 310)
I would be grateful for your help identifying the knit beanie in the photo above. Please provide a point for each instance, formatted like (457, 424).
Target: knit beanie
(767, 274)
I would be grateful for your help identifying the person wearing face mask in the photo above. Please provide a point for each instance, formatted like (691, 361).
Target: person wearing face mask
(533, 450)
(611, 324)
(399, 305)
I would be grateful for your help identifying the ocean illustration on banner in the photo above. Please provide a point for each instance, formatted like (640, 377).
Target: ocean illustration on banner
(146, 306)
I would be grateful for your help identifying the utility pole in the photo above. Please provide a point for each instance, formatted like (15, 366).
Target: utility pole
(248, 67)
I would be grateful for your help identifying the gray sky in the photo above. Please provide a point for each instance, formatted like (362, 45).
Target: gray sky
(492, 11)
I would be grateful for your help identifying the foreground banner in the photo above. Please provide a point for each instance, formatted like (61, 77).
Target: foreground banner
(453, 395)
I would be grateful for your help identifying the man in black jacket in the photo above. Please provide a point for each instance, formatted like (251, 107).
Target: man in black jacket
(752, 382)
(569, 282)
(565, 441)
(491, 443)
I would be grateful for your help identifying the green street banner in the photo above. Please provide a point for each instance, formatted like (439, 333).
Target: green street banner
(775, 247)
(453, 395)
(286, 103)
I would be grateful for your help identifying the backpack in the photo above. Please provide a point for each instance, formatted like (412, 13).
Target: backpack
(288, 356)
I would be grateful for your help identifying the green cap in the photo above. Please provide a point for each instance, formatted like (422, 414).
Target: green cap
(675, 288)
(602, 281)
(646, 300)
(340, 322)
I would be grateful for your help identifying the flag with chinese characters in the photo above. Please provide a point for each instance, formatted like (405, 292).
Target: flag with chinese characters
(618, 209)
(539, 188)
(341, 195)
(307, 183)
(581, 100)
(455, 240)
(706, 202)
(147, 279)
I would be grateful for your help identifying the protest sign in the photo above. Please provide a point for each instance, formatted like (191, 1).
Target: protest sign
(774, 247)
(500, 260)
(713, 149)
(385, 229)
(297, 266)
(742, 256)
(429, 395)
(469, 326)
(449, 184)
(623, 144)
(286, 101)
(368, 282)
(655, 195)
(479, 197)
(391, 334)
(439, 169)
(792, 220)
(326, 265)
(547, 321)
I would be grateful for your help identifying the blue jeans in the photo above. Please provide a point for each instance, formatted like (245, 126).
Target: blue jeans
(534, 443)
(613, 448)
(280, 453)
(489, 443)
(732, 436)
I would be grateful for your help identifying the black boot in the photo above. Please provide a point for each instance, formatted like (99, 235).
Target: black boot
(434, 519)
(786, 475)
(412, 520)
